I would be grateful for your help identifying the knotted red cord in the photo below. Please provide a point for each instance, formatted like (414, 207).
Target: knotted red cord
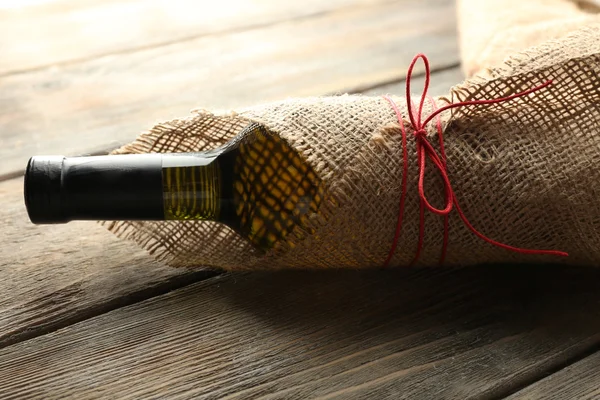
(424, 150)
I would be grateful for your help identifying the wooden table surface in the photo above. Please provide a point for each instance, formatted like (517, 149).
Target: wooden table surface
(84, 315)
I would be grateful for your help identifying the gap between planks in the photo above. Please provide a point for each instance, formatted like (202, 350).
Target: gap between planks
(577, 381)
(408, 333)
(57, 275)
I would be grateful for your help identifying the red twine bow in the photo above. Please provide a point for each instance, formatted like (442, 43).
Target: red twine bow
(426, 150)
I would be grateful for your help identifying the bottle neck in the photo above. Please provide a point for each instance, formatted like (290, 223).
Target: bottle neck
(125, 187)
(192, 192)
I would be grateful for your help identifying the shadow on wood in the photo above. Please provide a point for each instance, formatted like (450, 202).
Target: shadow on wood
(505, 316)
(516, 295)
(481, 332)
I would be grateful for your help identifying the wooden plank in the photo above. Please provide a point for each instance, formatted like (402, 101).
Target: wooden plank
(577, 381)
(435, 333)
(440, 84)
(60, 274)
(54, 32)
(99, 104)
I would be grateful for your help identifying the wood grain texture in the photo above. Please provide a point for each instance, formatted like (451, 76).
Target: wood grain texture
(440, 84)
(577, 381)
(53, 275)
(60, 31)
(445, 334)
(102, 103)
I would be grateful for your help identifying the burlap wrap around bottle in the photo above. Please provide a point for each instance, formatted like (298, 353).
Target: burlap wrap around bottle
(525, 172)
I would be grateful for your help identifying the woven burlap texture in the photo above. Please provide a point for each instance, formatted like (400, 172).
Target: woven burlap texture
(492, 30)
(525, 172)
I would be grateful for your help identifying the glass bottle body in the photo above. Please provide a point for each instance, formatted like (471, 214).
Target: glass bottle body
(256, 184)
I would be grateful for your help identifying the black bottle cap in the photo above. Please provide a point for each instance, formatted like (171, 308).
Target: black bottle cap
(114, 187)
(43, 198)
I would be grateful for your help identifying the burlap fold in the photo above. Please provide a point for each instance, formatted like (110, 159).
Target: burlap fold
(492, 30)
(525, 172)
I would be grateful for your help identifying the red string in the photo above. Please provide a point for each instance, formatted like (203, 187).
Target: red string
(444, 159)
(425, 150)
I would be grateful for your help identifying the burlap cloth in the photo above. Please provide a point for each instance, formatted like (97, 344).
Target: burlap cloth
(492, 30)
(525, 172)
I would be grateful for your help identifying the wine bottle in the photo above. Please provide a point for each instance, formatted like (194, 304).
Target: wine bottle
(257, 184)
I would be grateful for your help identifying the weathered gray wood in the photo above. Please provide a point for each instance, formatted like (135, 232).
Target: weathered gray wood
(101, 103)
(579, 381)
(52, 276)
(467, 334)
(48, 33)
